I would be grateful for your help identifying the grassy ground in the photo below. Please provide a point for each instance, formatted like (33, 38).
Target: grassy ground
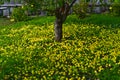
(4, 22)
(90, 49)
(97, 19)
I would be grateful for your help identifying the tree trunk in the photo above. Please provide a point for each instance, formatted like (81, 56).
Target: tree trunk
(58, 30)
(61, 15)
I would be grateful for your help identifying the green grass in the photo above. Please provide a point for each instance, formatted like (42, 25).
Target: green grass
(89, 49)
(4, 22)
(98, 19)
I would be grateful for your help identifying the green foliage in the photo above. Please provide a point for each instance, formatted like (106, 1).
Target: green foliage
(80, 9)
(115, 9)
(20, 14)
(98, 19)
(4, 22)
(116, 1)
(2, 1)
(87, 51)
(47, 5)
(34, 6)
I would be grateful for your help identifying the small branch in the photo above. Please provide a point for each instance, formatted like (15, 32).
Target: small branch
(72, 3)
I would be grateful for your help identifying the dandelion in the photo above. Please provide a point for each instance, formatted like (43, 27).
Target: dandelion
(15, 76)
(71, 79)
(110, 8)
(44, 77)
(67, 79)
(25, 78)
(22, 7)
(32, 72)
(12, 20)
(100, 68)
(32, 5)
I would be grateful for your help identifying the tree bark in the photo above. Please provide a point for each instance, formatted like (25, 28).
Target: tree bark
(58, 30)
(61, 15)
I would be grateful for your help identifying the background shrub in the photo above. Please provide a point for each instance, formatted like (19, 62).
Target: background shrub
(115, 9)
(20, 14)
(80, 10)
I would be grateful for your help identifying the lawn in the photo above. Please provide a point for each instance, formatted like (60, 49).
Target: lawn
(90, 49)
(4, 22)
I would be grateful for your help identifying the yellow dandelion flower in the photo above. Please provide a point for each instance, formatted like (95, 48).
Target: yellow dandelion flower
(110, 8)
(44, 77)
(25, 78)
(12, 20)
(71, 79)
(100, 68)
(32, 5)
(67, 79)
(22, 7)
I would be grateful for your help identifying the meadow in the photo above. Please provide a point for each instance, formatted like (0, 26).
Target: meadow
(90, 49)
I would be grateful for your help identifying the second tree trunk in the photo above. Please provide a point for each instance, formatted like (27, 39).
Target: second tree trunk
(58, 29)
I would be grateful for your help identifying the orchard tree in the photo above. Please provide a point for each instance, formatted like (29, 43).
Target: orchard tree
(61, 14)
(60, 8)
